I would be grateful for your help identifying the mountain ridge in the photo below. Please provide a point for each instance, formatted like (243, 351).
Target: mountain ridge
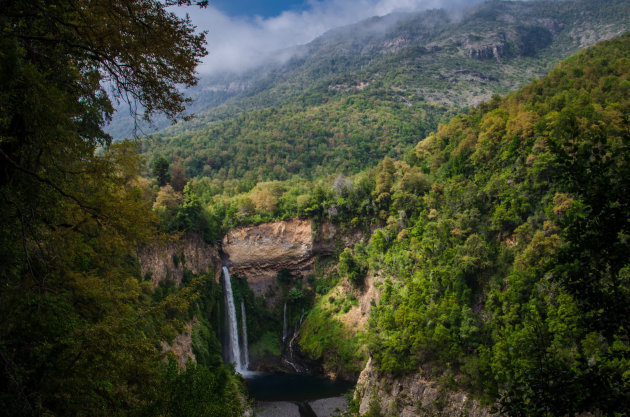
(364, 48)
(348, 120)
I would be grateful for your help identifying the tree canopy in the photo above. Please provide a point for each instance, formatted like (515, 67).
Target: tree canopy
(80, 330)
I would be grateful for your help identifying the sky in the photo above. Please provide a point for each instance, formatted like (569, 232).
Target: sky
(244, 33)
(266, 9)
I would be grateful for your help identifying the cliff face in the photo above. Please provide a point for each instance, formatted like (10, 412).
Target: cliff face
(411, 396)
(167, 259)
(181, 346)
(259, 252)
(272, 243)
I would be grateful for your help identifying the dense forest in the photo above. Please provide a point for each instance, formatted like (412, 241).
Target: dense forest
(343, 133)
(497, 238)
(501, 248)
(437, 55)
(81, 331)
(511, 272)
(359, 93)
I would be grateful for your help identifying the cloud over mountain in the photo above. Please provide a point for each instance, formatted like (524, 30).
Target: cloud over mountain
(238, 44)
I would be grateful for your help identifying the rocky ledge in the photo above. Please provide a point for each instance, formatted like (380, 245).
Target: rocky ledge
(272, 243)
(259, 252)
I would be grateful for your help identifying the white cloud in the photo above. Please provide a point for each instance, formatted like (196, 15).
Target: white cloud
(238, 44)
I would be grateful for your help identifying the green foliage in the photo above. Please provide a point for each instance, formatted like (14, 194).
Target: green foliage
(204, 313)
(418, 69)
(511, 271)
(340, 135)
(260, 319)
(295, 295)
(200, 391)
(324, 279)
(193, 216)
(268, 344)
(350, 268)
(374, 409)
(323, 337)
(160, 171)
(81, 331)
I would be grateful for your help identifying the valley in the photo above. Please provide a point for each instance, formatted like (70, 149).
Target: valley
(411, 276)
(425, 213)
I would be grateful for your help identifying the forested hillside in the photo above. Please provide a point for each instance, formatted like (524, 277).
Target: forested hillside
(501, 252)
(489, 246)
(81, 330)
(373, 89)
(343, 134)
(508, 275)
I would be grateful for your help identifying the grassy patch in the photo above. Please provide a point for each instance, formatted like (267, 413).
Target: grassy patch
(267, 345)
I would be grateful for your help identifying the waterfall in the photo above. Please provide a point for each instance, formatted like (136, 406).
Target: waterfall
(245, 350)
(296, 332)
(219, 332)
(234, 351)
(284, 328)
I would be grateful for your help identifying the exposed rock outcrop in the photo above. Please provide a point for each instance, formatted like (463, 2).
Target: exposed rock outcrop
(182, 345)
(487, 48)
(411, 396)
(259, 252)
(272, 243)
(330, 236)
(168, 259)
(356, 318)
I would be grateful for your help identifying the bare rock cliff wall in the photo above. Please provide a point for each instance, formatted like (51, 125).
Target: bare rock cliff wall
(168, 259)
(411, 396)
(257, 253)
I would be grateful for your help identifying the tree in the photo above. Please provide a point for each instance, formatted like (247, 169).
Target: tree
(160, 171)
(59, 60)
(80, 332)
(348, 267)
(178, 178)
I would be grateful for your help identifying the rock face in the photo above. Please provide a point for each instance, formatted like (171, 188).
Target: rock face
(269, 243)
(325, 407)
(182, 345)
(168, 259)
(411, 396)
(328, 407)
(259, 252)
(484, 49)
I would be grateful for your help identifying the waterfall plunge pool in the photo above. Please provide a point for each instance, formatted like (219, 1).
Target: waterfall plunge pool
(293, 387)
(295, 394)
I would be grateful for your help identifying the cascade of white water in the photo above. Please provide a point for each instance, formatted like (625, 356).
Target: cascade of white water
(296, 332)
(234, 351)
(245, 350)
(284, 328)
(220, 330)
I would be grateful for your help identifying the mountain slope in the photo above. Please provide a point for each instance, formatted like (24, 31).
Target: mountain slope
(508, 277)
(394, 68)
(499, 259)
(546, 31)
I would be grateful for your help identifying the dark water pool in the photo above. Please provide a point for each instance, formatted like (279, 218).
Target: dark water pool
(293, 387)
